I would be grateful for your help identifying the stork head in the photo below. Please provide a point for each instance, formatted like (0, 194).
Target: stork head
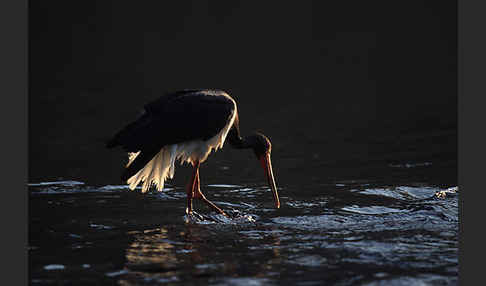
(262, 147)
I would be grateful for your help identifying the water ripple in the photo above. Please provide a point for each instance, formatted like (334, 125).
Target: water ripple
(352, 233)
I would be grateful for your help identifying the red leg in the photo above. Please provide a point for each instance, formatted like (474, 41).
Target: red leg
(190, 188)
(198, 194)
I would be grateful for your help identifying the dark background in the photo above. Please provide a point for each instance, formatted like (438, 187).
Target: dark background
(340, 88)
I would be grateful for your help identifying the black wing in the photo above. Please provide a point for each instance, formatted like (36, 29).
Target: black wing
(127, 137)
(172, 119)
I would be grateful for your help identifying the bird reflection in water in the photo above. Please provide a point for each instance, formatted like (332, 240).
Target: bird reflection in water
(198, 251)
(151, 247)
(209, 250)
(151, 257)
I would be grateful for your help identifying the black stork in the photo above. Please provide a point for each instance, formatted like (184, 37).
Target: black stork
(185, 125)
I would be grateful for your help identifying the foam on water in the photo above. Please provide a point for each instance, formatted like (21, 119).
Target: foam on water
(57, 183)
(402, 192)
(372, 210)
(224, 186)
(410, 165)
(54, 267)
(244, 281)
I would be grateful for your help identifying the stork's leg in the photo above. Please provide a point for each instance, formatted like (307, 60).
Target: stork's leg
(190, 187)
(198, 194)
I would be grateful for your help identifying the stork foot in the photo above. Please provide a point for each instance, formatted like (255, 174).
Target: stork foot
(195, 215)
(200, 196)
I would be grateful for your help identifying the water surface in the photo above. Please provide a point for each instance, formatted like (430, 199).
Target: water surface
(352, 233)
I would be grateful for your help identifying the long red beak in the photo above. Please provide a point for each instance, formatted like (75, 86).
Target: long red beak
(267, 167)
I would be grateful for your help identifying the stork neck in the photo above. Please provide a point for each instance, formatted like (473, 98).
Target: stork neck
(236, 141)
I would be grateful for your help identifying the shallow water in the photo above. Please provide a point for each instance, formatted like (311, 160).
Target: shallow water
(351, 233)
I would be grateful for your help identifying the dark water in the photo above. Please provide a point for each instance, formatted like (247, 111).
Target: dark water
(351, 233)
(359, 206)
(360, 105)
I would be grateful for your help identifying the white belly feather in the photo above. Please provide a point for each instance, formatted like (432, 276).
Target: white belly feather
(161, 166)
